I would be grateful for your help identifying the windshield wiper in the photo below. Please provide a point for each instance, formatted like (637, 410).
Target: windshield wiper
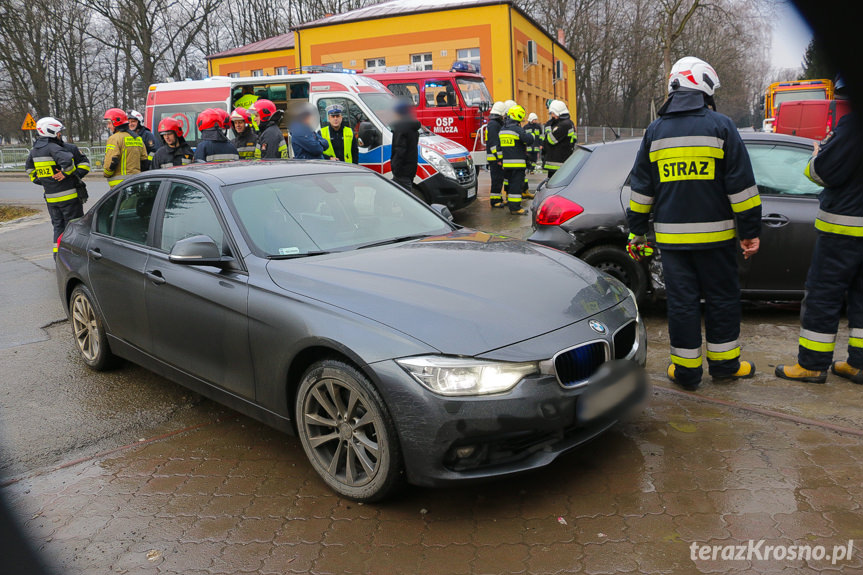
(295, 256)
(393, 241)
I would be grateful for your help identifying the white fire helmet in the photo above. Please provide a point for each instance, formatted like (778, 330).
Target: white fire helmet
(509, 104)
(137, 116)
(558, 108)
(48, 127)
(498, 109)
(532, 117)
(693, 73)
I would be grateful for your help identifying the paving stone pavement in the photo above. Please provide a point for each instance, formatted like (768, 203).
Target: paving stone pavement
(234, 496)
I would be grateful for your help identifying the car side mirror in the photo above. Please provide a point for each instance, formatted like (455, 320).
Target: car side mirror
(197, 250)
(443, 211)
(369, 135)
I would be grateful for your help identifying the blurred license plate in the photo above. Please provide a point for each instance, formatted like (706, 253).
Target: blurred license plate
(471, 192)
(602, 397)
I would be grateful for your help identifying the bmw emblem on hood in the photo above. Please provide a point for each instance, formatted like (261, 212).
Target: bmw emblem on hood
(597, 326)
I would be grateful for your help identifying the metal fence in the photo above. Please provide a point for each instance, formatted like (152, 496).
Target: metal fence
(13, 159)
(597, 134)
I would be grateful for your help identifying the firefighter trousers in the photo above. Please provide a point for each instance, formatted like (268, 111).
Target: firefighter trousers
(495, 170)
(836, 273)
(62, 213)
(515, 178)
(691, 275)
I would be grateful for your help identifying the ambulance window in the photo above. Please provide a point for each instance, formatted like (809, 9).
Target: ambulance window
(407, 90)
(439, 94)
(299, 91)
(352, 114)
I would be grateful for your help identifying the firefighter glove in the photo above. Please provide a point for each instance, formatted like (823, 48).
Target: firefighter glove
(639, 248)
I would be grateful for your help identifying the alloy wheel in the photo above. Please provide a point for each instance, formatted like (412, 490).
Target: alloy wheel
(343, 431)
(85, 327)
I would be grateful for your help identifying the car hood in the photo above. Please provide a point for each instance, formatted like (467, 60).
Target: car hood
(463, 293)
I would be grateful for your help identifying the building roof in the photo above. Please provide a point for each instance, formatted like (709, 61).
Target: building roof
(396, 8)
(281, 42)
(405, 7)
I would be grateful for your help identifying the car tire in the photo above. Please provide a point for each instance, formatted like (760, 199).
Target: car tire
(347, 432)
(88, 330)
(614, 261)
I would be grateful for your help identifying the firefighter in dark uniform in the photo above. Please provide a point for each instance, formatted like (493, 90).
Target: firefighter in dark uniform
(341, 140)
(514, 142)
(52, 166)
(558, 136)
(534, 128)
(214, 145)
(136, 124)
(245, 138)
(271, 141)
(693, 172)
(174, 151)
(493, 156)
(836, 271)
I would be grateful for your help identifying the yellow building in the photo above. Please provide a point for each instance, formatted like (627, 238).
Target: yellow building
(519, 59)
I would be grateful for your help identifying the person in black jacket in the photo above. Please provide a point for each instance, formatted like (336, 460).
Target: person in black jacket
(559, 137)
(406, 137)
(245, 138)
(493, 154)
(271, 142)
(214, 145)
(175, 151)
(693, 173)
(836, 272)
(51, 164)
(514, 143)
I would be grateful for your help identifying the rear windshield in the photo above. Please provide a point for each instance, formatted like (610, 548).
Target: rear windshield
(795, 95)
(569, 168)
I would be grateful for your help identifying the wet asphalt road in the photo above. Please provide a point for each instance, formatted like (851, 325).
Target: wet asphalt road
(125, 472)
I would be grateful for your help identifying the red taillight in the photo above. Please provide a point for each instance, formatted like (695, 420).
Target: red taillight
(556, 210)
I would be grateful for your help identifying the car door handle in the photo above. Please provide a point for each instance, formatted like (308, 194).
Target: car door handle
(94, 253)
(156, 277)
(775, 220)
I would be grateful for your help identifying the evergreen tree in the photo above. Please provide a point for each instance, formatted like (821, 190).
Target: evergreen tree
(816, 63)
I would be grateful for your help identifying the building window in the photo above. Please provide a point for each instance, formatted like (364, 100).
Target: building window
(423, 60)
(234, 75)
(281, 70)
(470, 55)
(258, 72)
(376, 62)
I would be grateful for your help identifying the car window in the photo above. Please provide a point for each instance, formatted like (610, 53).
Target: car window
(779, 170)
(189, 213)
(132, 222)
(105, 215)
(570, 168)
(301, 214)
(407, 90)
(440, 94)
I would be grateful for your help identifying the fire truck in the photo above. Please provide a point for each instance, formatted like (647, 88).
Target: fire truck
(453, 104)
(780, 92)
(445, 174)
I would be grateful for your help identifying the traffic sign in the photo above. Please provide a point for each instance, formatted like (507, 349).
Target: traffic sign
(29, 123)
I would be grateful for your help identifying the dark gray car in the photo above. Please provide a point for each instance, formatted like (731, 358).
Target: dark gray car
(324, 300)
(581, 210)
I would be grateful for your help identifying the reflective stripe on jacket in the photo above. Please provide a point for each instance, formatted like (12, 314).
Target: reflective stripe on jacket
(839, 168)
(48, 157)
(246, 143)
(514, 142)
(215, 147)
(125, 151)
(694, 174)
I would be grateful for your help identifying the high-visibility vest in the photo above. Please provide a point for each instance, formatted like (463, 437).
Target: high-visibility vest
(347, 138)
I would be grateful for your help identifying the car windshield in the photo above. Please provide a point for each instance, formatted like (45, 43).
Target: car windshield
(381, 105)
(307, 215)
(474, 91)
(569, 168)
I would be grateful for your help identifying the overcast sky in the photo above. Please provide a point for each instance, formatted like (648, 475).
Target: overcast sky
(791, 34)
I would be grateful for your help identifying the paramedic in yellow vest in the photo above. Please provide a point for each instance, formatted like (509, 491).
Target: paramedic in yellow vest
(341, 141)
(125, 153)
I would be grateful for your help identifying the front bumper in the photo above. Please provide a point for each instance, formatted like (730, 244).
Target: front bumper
(456, 439)
(453, 194)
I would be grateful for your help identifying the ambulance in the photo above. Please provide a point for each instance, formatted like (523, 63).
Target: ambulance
(453, 104)
(445, 174)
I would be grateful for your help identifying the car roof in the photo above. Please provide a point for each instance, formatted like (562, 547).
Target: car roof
(229, 173)
(766, 137)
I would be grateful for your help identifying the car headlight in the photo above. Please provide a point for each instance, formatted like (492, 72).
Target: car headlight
(460, 376)
(438, 162)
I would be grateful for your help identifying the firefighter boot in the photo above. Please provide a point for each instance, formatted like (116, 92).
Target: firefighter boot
(518, 212)
(528, 195)
(844, 369)
(688, 386)
(797, 373)
(745, 371)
